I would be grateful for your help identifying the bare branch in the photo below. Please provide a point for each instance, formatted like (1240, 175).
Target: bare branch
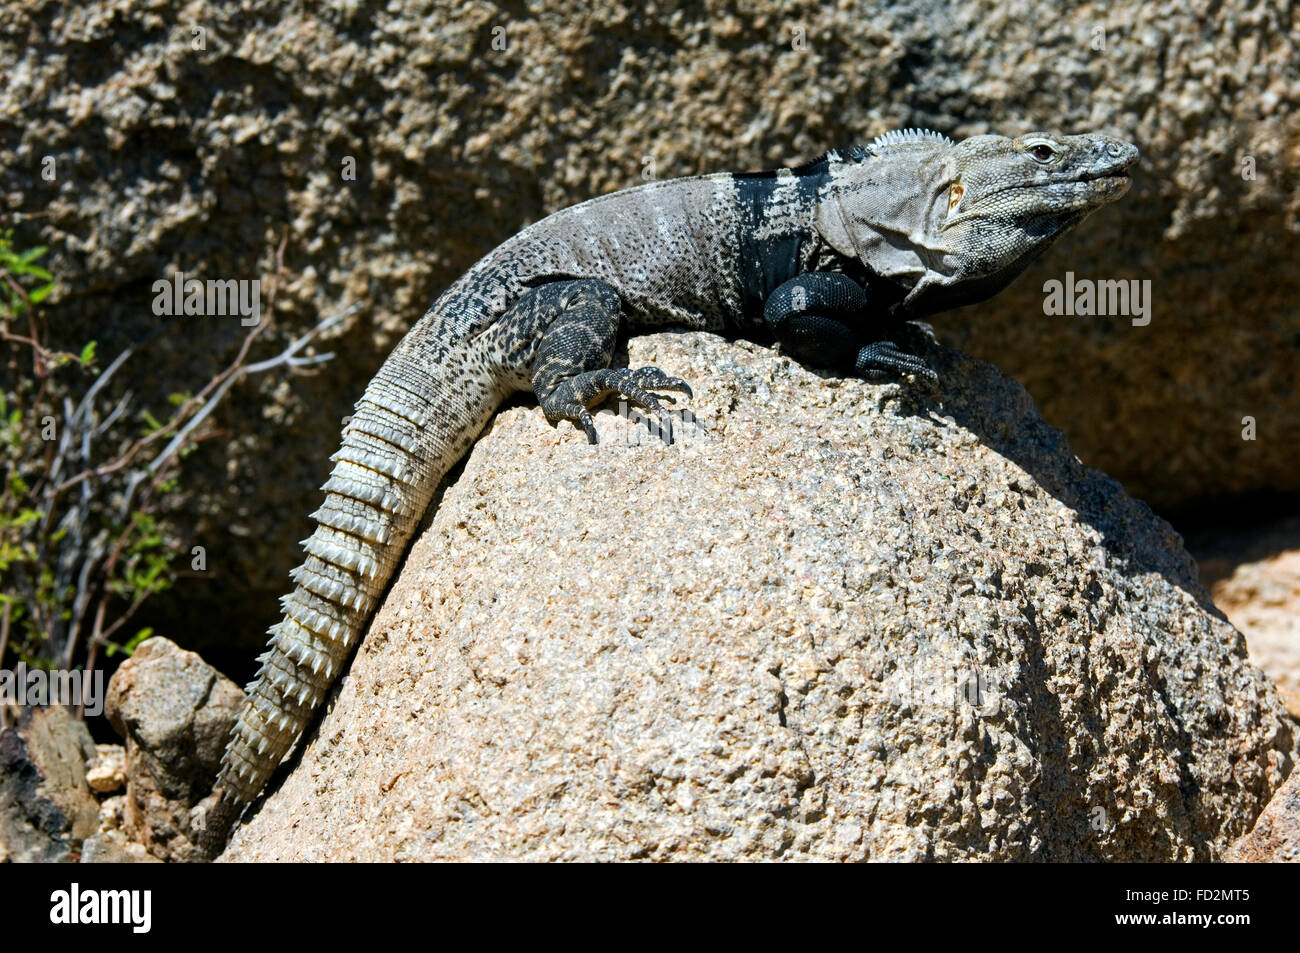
(98, 525)
(4, 629)
(285, 357)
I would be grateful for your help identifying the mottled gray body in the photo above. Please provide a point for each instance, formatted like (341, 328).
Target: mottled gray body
(830, 258)
(670, 249)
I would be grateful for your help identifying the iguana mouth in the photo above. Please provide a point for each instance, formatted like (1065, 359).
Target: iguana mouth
(1112, 184)
(1120, 177)
(1113, 174)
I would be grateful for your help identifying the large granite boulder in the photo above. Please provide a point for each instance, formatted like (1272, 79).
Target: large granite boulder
(832, 620)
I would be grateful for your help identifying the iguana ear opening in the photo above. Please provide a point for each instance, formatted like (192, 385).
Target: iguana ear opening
(955, 192)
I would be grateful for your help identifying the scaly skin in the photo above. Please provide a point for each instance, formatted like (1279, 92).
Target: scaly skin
(834, 257)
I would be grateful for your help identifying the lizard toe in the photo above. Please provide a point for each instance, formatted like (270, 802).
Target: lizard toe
(652, 378)
(884, 359)
(576, 414)
(643, 398)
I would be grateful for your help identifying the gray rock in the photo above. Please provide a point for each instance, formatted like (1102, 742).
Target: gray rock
(113, 847)
(110, 844)
(175, 158)
(832, 621)
(175, 712)
(46, 808)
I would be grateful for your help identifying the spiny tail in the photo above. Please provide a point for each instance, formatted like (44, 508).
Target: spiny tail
(395, 450)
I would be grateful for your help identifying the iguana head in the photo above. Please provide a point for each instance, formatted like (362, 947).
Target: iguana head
(955, 222)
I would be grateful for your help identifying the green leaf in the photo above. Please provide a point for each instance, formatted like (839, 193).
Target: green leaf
(87, 353)
(26, 515)
(32, 254)
(38, 295)
(129, 647)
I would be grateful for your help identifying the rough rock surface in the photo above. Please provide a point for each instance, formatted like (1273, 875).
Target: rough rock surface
(1254, 576)
(175, 712)
(110, 844)
(1276, 835)
(106, 772)
(832, 621)
(171, 157)
(46, 808)
(113, 847)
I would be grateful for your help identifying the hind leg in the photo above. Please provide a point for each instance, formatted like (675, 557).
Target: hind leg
(571, 371)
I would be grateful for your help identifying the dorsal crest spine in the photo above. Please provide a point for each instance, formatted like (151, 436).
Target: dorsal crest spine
(895, 137)
(900, 137)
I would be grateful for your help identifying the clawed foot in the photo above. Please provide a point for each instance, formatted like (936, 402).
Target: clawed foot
(571, 398)
(885, 359)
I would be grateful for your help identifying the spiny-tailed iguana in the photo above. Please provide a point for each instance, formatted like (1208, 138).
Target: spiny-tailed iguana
(834, 257)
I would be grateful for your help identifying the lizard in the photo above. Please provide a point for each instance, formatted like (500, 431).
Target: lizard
(835, 259)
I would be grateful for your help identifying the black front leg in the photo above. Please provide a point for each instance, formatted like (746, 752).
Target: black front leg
(823, 319)
(571, 371)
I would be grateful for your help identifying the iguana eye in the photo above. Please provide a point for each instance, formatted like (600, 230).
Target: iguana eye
(954, 195)
(1042, 152)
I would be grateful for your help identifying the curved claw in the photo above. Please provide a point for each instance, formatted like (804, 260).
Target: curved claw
(885, 358)
(577, 415)
(571, 398)
(644, 398)
(677, 384)
(653, 378)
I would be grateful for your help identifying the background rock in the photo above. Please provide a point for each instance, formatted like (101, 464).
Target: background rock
(834, 621)
(106, 772)
(1253, 573)
(173, 158)
(109, 844)
(175, 712)
(46, 809)
(1276, 835)
(113, 847)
